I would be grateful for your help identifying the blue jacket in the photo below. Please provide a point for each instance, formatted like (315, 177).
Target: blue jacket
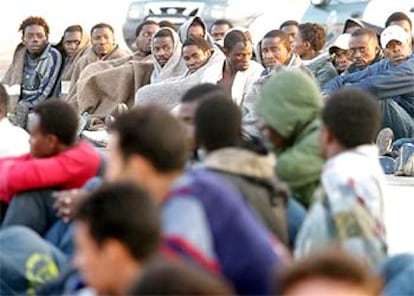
(40, 75)
(206, 219)
(383, 80)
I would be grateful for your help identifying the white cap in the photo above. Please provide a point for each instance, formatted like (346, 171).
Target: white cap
(341, 42)
(393, 32)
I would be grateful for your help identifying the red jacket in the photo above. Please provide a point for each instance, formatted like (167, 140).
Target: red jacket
(67, 170)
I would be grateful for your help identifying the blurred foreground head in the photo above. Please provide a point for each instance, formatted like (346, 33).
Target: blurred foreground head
(329, 273)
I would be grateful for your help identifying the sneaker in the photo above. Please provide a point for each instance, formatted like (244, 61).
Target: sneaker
(387, 164)
(384, 140)
(405, 166)
(121, 109)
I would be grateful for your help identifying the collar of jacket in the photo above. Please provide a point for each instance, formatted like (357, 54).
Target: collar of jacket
(241, 162)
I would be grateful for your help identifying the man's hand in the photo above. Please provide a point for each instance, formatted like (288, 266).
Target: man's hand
(67, 202)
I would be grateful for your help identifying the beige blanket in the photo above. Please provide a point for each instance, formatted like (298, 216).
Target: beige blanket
(79, 74)
(14, 76)
(169, 93)
(70, 66)
(174, 67)
(100, 94)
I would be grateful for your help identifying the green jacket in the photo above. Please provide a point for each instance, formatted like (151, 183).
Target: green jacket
(291, 105)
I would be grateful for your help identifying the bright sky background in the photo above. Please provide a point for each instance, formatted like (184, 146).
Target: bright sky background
(59, 14)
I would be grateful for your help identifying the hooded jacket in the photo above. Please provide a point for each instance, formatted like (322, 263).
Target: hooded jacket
(322, 68)
(175, 66)
(290, 104)
(183, 31)
(253, 175)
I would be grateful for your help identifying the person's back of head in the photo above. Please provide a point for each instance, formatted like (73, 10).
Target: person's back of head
(314, 34)
(154, 134)
(218, 123)
(329, 273)
(174, 278)
(198, 92)
(399, 17)
(4, 100)
(118, 228)
(53, 127)
(353, 117)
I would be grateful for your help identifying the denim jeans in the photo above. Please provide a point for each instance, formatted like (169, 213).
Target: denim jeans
(33, 209)
(296, 214)
(61, 236)
(398, 273)
(27, 261)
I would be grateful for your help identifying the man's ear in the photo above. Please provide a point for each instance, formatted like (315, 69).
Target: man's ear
(53, 141)
(307, 45)
(225, 51)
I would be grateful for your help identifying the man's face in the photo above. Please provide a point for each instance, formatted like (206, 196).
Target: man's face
(218, 31)
(102, 41)
(143, 41)
(186, 113)
(240, 55)
(362, 50)
(274, 52)
(276, 140)
(195, 30)
(118, 168)
(92, 260)
(35, 39)
(299, 46)
(41, 145)
(71, 42)
(397, 52)
(194, 57)
(341, 60)
(292, 31)
(163, 49)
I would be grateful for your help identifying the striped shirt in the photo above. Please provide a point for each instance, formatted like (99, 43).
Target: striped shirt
(40, 75)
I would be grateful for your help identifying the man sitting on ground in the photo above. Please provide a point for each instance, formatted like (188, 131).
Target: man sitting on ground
(247, 165)
(117, 228)
(35, 70)
(290, 107)
(56, 161)
(198, 208)
(352, 180)
(364, 50)
(308, 44)
(390, 79)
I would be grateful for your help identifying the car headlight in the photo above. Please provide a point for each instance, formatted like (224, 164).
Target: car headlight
(136, 11)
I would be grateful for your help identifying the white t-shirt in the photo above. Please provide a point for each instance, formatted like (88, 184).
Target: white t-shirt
(14, 141)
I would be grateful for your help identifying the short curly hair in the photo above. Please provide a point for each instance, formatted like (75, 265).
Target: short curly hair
(314, 34)
(34, 20)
